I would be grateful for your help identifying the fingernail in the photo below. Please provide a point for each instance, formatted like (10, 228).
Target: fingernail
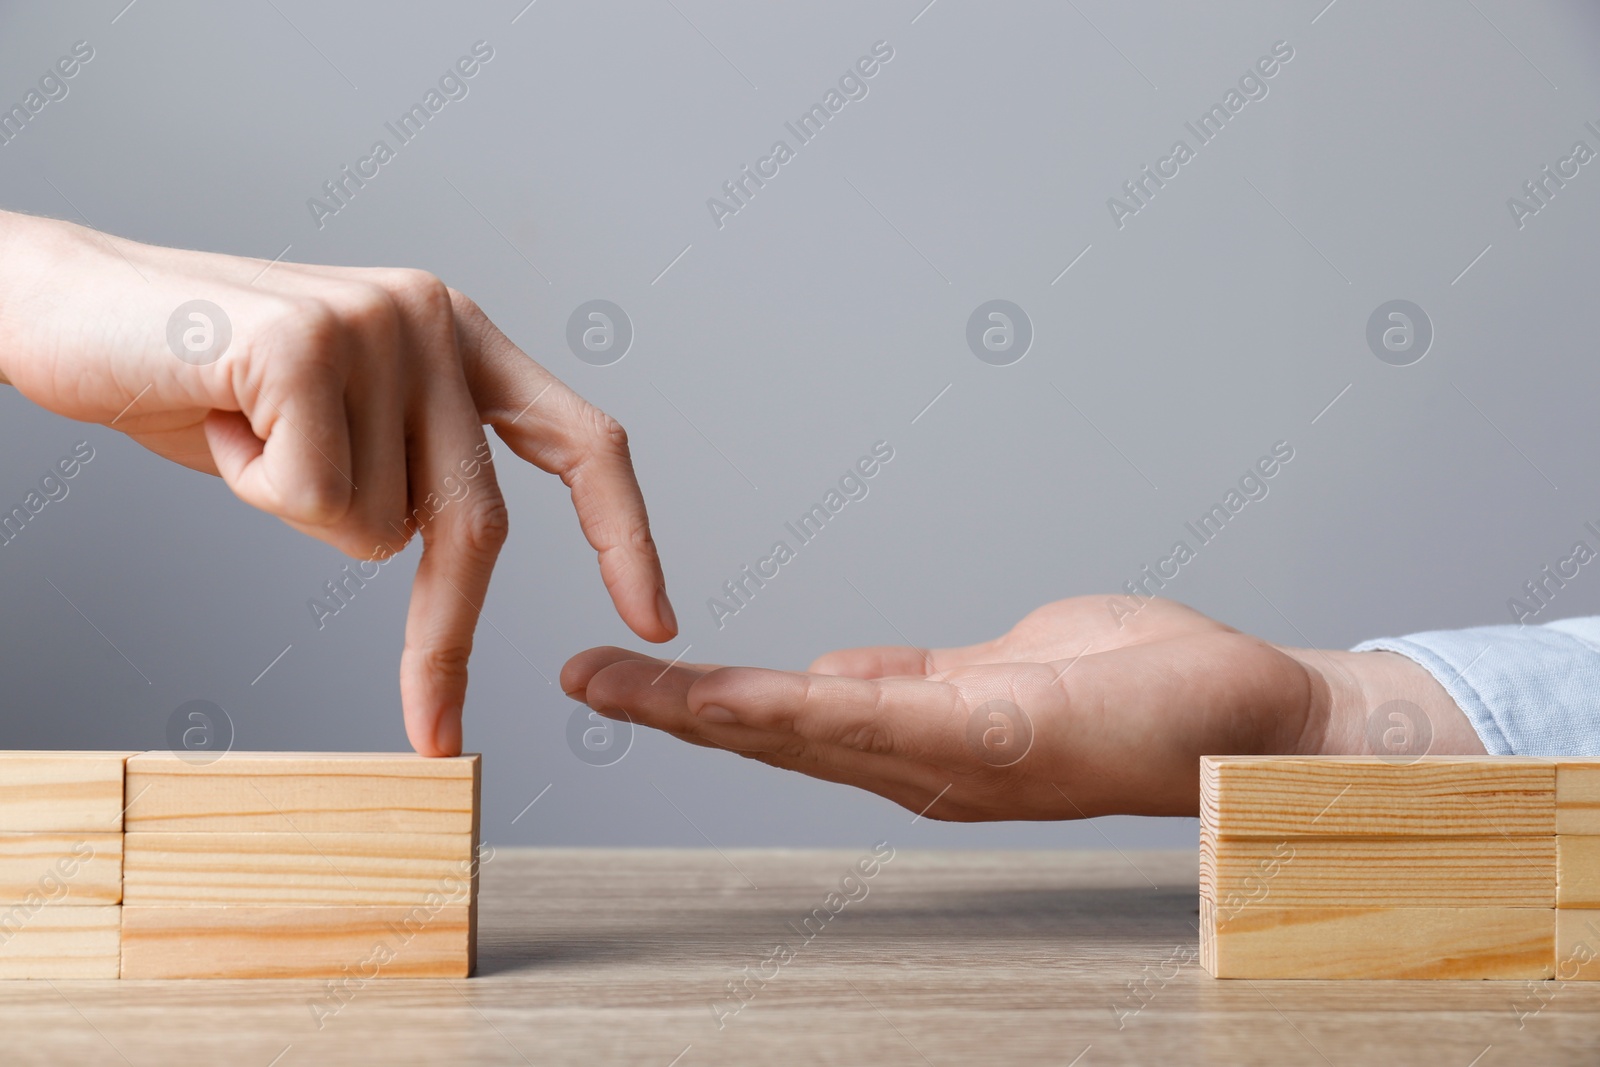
(717, 713)
(447, 735)
(664, 609)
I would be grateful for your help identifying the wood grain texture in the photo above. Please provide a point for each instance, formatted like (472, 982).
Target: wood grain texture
(602, 956)
(1577, 871)
(1458, 872)
(1578, 796)
(322, 942)
(72, 792)
(47, 942)
(60, 869)
(303, 792)
(1443, 796)
(282, 869)
(1578, 945)
(1260, 942)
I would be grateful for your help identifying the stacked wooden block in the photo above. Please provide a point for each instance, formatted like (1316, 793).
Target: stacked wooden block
(254, 865)
(1364, 867)
(60, 864)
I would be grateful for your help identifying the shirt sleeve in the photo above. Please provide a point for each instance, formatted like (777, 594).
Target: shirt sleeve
(1527, 690)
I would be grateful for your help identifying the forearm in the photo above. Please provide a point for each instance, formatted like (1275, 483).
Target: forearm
(13, 248)
(30, 250)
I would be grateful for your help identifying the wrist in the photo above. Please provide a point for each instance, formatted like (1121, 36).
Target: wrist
(18, 236)
(1383, 704)
(9, 249)
(44, 286)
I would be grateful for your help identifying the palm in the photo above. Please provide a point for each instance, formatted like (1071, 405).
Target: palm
(1067, 715)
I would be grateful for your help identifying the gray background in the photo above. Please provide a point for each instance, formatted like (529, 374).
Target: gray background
(1224, 317)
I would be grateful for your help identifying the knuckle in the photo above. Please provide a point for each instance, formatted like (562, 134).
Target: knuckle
(302, 345)
(448, 662)
(418, 290)
(322, 502)
(608, 434)
(484, 525)
(366, 308)
(301, 328)
(471, 322)
(625, 533)
(593, 435)
(870, 737)
(464, 307)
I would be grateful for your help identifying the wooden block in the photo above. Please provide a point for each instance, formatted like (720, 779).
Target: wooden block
(1578, 945)
(280, 869)
(60, 869)
(1327, 796)
(74, 792)
(303, 792)
(328, 942)
(1577, 871)
(1578, 796)
(46, 942)
(1378, 943)
(1394, 872)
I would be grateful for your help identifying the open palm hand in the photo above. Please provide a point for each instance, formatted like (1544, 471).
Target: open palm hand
(1074, 712)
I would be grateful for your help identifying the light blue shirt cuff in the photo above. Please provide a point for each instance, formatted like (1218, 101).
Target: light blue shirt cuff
(1527, 690)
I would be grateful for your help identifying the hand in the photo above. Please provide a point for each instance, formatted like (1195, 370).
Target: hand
(349, 402)
(1073, 713)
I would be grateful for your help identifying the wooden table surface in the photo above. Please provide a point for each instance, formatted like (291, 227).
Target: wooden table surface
(600, 956)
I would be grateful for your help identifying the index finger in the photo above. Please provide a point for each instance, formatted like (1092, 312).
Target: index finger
(457, 508)
(886, 661)
(556, 430)
(908, 717)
